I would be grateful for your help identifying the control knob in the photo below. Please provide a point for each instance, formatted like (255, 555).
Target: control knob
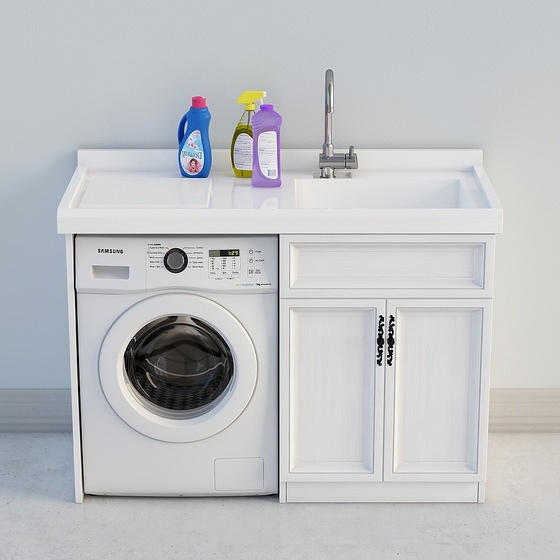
(175, 260)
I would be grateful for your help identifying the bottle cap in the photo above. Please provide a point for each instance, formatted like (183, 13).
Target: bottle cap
(267, 107)
(198, 102)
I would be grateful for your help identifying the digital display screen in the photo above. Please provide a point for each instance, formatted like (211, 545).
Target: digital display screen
(224, 252)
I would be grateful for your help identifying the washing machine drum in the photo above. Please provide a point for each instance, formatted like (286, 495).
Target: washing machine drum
(178, 368)
(179, 363)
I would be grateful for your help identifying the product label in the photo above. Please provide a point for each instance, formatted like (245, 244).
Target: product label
(192, 154)
(243, 152)
(268, 157)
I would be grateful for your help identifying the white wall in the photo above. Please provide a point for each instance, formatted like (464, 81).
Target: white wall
(423, 74)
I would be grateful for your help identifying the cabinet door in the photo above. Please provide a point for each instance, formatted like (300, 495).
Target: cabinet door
(331, 390)
(437, 389)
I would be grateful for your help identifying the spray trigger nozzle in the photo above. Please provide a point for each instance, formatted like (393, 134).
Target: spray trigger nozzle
(249, 98)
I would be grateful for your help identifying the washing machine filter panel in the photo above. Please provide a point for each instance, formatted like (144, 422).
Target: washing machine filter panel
(180, 364)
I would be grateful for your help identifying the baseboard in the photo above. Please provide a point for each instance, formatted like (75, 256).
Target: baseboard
(35, 410)
(49, 410)
(525, 410)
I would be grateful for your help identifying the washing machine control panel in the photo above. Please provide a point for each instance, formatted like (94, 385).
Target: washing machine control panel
(213, 262)
(224, 262)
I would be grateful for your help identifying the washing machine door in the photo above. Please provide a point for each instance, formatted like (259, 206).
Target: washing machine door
(178, 367)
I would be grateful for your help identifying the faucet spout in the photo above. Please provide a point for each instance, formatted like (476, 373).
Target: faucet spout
(328, 159)
(328, 147)
(329, 91)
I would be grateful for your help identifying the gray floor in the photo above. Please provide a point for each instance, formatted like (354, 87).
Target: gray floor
(520, 519)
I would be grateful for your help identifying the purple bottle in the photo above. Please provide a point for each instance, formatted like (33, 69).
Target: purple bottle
(266, 148)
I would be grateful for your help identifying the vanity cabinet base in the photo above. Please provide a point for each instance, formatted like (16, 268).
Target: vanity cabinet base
(382, 492)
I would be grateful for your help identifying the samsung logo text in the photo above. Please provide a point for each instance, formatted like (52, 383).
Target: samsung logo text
(111, 251)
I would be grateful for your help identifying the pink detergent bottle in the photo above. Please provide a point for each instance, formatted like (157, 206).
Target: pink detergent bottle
(266, 148)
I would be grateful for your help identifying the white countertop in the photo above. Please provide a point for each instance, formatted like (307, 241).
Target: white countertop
(142, 192)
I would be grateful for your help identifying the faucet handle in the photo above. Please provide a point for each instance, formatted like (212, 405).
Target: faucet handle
(351, 159)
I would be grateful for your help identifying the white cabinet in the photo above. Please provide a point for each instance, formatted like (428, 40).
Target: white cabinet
(384, 385)
(433, 390)
(334, 388)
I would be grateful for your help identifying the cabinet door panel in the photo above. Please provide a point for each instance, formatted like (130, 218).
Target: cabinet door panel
(434, 387)
(334, 419)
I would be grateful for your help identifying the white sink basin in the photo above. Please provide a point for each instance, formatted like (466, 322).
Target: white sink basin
(409, 190)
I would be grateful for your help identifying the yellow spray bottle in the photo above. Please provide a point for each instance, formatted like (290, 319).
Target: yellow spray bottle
(242, 141)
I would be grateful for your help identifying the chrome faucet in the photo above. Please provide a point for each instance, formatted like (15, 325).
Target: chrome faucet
(328, 159)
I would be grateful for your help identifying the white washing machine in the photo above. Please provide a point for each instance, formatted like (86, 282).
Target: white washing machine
(178, 364)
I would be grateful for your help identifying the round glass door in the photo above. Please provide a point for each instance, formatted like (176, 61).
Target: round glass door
(179, 365)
